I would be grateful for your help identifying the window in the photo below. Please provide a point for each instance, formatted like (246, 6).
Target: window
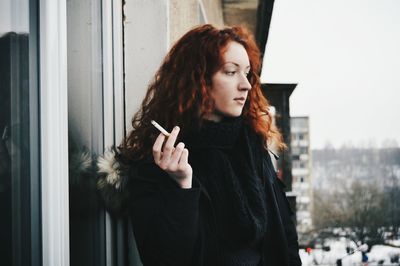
(95, 121)
(20, 234)
(85, 130)
(304, 150)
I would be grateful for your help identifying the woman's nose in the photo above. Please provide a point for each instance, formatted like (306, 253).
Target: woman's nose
(244, 83)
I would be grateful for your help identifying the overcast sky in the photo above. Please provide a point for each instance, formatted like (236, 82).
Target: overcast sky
(345, 57)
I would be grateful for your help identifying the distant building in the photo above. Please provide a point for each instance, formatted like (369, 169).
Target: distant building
(338, 169)
(278, 95)
(301, 172)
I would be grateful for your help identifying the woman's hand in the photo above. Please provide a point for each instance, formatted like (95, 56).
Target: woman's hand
(173, 160)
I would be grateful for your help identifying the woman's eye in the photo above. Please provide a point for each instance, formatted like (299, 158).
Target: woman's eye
(230, 73)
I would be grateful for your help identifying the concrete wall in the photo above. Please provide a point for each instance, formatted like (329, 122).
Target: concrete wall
(240, 12)
(150, 28)
(146, 30)
(183, 16)
(213, 11)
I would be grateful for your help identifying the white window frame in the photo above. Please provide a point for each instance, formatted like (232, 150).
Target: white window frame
(54, 132)
(113, 100)
(54, 119)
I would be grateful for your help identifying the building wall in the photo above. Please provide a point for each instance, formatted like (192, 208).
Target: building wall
(146, 39)
(184, 15)
(301, 172)
(241, 12)
(213, 12)
(150, 28)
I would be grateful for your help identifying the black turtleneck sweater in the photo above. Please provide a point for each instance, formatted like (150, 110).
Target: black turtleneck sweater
(226, 161)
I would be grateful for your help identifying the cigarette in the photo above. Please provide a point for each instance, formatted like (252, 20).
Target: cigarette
(160, 128)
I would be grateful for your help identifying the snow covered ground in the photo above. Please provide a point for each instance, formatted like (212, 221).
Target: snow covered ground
(379, 255)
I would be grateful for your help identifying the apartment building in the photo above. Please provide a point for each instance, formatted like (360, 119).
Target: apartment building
(301, 172)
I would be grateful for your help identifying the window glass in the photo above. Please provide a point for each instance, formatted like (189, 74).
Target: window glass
(19, 145)
(85, 124)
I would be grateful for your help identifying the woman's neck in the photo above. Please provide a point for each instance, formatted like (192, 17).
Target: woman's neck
(214, 117)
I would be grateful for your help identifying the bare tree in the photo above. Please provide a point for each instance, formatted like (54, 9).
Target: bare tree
(356, 212)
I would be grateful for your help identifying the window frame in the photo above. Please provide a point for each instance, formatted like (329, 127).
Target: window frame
(53, 96)
(54, 132)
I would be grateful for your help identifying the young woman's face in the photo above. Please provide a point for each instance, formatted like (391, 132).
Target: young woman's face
(229, 85)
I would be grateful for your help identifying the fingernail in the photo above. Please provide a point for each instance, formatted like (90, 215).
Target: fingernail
(176, 128)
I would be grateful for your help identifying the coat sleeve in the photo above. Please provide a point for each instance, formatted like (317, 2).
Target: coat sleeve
(288, 218)
(165, 220)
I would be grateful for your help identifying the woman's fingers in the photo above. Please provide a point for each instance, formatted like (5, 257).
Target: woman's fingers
(157, 153)
(176, 156)
(173, 160)
(168, 148)
(183, 162)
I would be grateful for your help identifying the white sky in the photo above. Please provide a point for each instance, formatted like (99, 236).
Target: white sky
(345, 57)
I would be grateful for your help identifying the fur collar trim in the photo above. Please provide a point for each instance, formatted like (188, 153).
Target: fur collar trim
(112, 181)
(109, 169)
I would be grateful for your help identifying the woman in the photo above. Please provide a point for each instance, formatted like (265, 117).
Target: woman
(208, 193)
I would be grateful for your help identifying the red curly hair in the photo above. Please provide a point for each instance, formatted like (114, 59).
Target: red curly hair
(179, 93)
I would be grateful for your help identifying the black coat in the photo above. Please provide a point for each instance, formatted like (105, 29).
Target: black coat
(175, 226)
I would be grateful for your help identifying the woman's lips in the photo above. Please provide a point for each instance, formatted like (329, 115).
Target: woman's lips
(240, 100)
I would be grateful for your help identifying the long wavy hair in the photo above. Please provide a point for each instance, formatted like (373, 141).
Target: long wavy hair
(179, 93)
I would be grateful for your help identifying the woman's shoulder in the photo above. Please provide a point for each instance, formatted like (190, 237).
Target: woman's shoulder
(119, 178)
(117, 170)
